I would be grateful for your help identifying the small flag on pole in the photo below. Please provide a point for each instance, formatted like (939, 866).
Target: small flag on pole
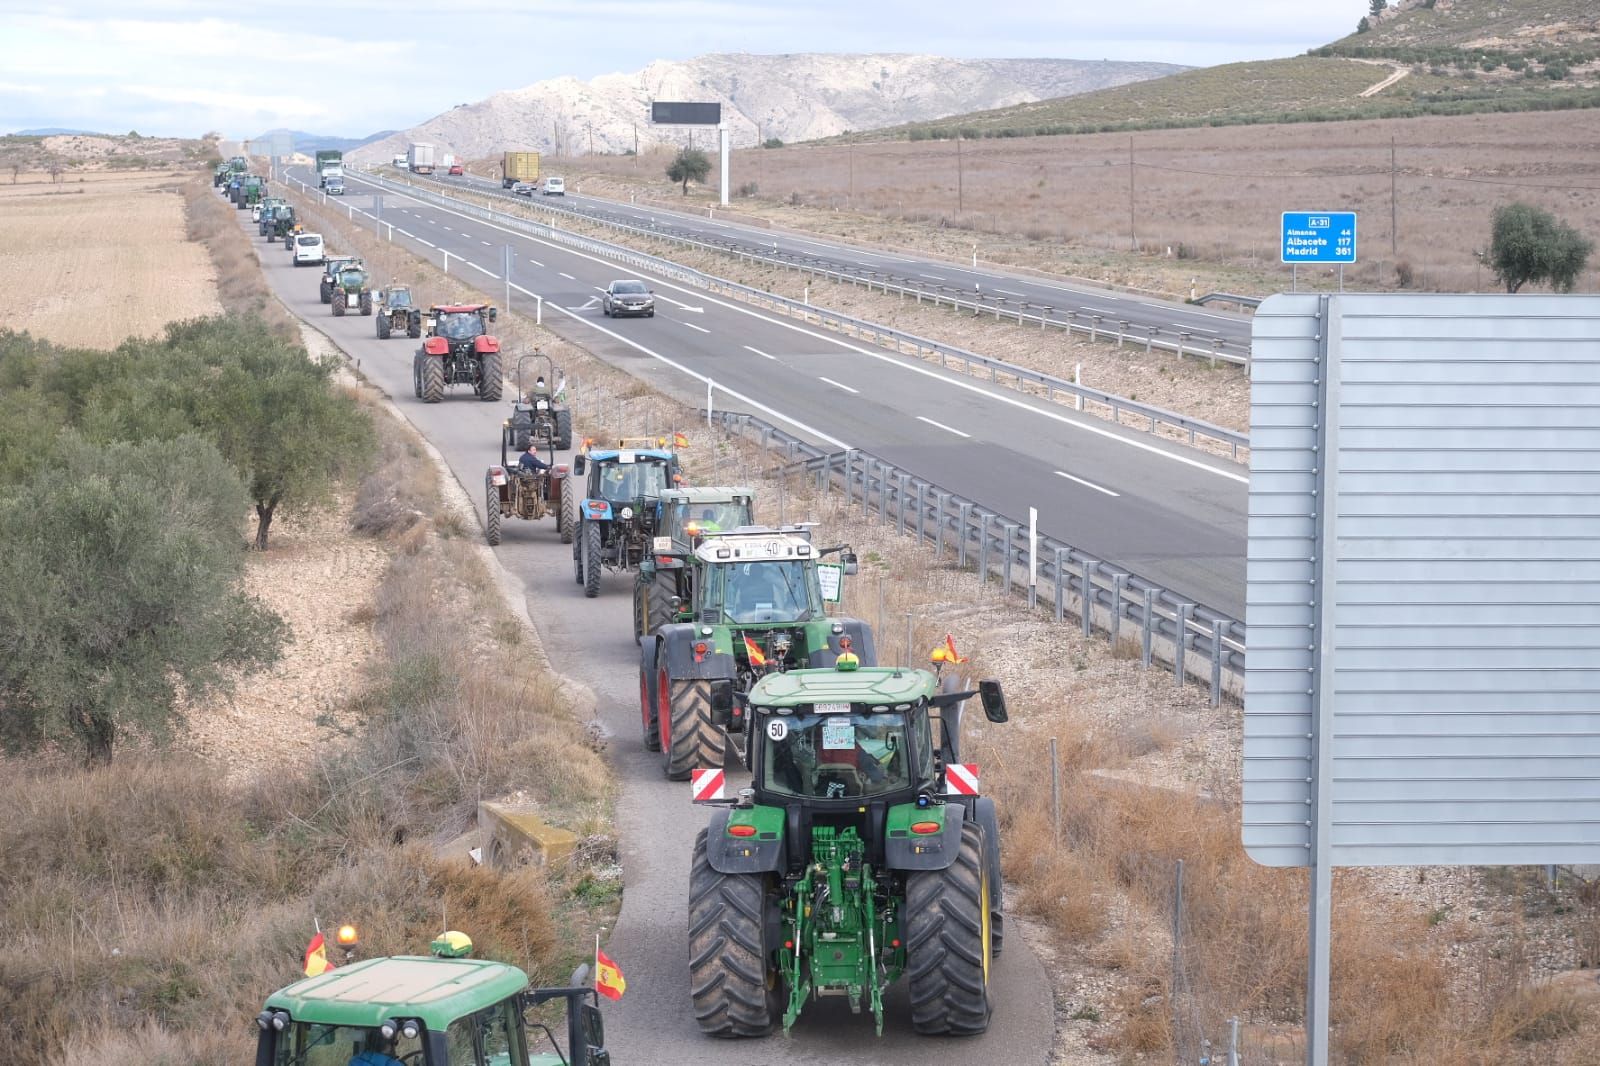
(753, 651)
(608, 980)
(317, 957)
(950, 646)
(680, 440)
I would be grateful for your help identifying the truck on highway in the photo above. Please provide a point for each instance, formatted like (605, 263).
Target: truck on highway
(330, 164)
(419, 158)
(519, 166)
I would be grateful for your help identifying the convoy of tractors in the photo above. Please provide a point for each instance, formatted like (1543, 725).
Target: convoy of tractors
(855, 858)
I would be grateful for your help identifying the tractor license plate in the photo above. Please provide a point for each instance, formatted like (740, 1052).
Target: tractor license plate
(351, 299)
(831, 708)
(542, 405)
(661, 545)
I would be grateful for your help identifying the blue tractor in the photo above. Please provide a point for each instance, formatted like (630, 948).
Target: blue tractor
(616, 517)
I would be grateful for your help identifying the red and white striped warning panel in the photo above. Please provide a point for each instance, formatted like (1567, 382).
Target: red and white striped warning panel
(961, 779)
(706, 785)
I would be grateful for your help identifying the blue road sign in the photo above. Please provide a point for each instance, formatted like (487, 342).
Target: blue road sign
(1319, 237)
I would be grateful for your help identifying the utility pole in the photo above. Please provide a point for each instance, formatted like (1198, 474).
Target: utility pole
(960, 209)
(852, 152)
(1133, 234)
(591, 138)
(1394, 238)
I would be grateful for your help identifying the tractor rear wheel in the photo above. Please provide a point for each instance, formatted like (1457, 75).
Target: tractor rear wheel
(591, 560)
(689, 737)
(432, 379)
(325, 291)
(733, 993)
(383, 327)
(648, 701)
(366, 303)
(416, 374)
(491, 514)
(563, 439)
(565, 520)
(492, 377)
(947, 942)
(414, 326)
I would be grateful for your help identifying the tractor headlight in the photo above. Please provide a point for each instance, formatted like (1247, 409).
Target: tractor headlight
(409, 1029)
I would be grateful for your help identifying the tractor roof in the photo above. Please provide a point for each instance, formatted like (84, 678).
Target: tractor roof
(878, 686)
(450, 309)
(707, 494)
(758, 544)
(603, 455)
(364, 993)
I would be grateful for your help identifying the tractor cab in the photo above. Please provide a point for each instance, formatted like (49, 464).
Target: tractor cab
(665, 591)
(540, 412)
(441, 1010)
(617, 515)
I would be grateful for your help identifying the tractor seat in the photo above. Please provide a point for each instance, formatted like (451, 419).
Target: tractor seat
(832, 777)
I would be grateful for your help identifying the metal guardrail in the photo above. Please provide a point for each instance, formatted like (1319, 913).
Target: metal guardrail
(1193, 639)
(1156, 420)
(1228, 298)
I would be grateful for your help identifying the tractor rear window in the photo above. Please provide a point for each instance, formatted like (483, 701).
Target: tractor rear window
(837, 756)
(621, 482)
(304, 1044)
(399, 298)
(768, 592)
(692, 518)
(460, 326)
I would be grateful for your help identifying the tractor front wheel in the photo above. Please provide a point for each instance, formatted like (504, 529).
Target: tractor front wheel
(728, 977)
(492, 377)
(432, 379)
(689, 738)
(948, 942)
(491, 514)
(658, 600)
(325, 291)
(338, 305)
(383, 327)
(366, 303)
(591, 560)
(648, 700)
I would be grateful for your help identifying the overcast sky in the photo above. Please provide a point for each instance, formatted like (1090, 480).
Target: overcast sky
(350, 67)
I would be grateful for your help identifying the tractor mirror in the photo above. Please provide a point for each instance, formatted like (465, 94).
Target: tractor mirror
(594, 1026)
(994, 701)
(578, 463)
(494, 313)
(851, 565)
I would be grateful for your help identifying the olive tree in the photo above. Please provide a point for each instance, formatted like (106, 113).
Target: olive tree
(1529, 244)
(120, 592)
(690, 164)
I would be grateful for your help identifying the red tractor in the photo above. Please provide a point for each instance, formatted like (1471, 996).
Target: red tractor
(458, 349)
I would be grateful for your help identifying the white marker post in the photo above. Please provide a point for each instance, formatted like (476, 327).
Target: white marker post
(708, 404)
(446, 262)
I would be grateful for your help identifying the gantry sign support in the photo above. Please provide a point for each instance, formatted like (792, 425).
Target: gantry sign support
(682, 113)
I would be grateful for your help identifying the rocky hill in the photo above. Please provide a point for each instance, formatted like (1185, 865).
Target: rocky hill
(790, 97)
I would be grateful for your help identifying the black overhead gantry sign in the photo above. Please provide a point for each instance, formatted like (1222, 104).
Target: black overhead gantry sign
(689, 113)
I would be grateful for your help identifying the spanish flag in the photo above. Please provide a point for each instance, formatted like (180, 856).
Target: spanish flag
(317, 957)
(608, 980)
(753, 651)
(950, 646)
(680, 440)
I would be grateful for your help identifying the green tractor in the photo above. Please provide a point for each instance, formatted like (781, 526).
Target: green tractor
(350, 291)
(439, 1010)
(283, 224)
(220, 175)
(540, 412)
(251, 190)
(683, 516)
(855, 858)
(759, 604)
(614, 523)
(269, 208)
(397, 314)
(330, 274)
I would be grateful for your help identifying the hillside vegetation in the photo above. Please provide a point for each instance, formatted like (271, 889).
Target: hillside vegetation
(1462, 57)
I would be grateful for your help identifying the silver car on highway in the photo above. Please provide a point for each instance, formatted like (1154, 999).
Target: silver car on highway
(628, 297)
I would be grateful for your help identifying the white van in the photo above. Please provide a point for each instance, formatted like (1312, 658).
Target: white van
(308, 249)
(554, 187)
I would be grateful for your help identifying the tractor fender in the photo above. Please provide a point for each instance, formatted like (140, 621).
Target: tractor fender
(436, 346)
(861, 643)
(936, 851)
(485, 345)
(677, 655)
(497, 475)
(741, 855)
(596, 510)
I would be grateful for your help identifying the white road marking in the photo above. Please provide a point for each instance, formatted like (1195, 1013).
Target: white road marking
(691, 325)
(1011, 292)
(486, 244)
(941, 425)
(430, 244)
(839, 385)
(467, 235)
(1069, 421)
(759, 352)
(1100, 310)
(1087, 484)
(564, 274)
(931, 277)
(685, 307)
(403, 233)
(480, 270)
(532, 260)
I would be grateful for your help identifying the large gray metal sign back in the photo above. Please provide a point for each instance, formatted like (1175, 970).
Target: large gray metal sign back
(1423, 580)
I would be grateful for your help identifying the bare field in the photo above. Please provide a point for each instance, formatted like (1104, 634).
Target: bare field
(91, 263)
(1206, 202)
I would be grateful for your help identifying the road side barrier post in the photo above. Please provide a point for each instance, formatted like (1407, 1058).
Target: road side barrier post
(1118, 581)
(1044, 316)
(1061, 586)
(964, 528)
(1217, 655)
(900, 519)
(1010, 550)
(1122, 335)
(1183, 339)
(1184, 610)
(1148, 624)
(1033, 557)
(922, 512)
(1149, 338)
(939, 499)
(1094, 328)
(983, 550)
(1087, 596)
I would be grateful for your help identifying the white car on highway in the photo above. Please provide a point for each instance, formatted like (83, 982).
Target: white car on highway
(308, 249)
(554, 187)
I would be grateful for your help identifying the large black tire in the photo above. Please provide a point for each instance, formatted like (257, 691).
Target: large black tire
(491, 515)
(383, 327)
(563, 439)
(416, 374)
(728, 977)
(492, 377)
(338, 306)
(689, 738)
(577, 554)
(325, 291)
(414, 325)
(984, 814)
(366, 303)
(591, 560)
(566, 518)
(432, 378)
(641, 599)
(947, 942)
(649, 701)
(659, 600)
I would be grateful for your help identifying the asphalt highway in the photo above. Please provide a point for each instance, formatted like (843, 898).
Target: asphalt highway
(591, 640)
(1204, 328)
(1168, 513)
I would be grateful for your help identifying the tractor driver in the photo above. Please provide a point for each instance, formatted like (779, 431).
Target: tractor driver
(399, 298)
(530, 463)
(378, 1052)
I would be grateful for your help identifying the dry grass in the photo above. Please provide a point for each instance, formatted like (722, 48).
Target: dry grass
(1207, 201)
(90, 263)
